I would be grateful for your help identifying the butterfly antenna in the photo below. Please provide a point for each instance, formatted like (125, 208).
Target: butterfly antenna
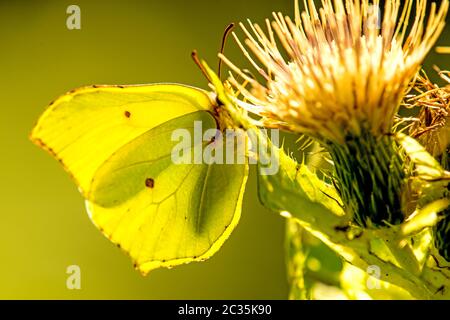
(227, 31)
(197, 61)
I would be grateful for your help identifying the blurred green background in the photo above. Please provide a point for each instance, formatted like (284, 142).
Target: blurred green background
(44, 227)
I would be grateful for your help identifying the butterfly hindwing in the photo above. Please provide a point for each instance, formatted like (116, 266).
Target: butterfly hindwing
(162, 213)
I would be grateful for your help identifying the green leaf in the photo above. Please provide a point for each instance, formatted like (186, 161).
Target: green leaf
(426, 166)
(424, 217)
(299, 194)
(298, 191)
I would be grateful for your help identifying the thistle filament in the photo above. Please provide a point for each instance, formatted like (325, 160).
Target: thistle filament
(339, 70)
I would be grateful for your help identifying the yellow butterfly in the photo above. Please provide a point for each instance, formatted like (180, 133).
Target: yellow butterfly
(115, 141)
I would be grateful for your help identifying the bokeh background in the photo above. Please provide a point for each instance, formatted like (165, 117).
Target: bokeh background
(43, 224)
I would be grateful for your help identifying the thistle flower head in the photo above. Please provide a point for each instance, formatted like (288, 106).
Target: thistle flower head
(337, 71)
(432, 128)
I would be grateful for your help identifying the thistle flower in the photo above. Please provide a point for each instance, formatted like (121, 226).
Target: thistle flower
(432, 130)
(346, 71)
(339, 75)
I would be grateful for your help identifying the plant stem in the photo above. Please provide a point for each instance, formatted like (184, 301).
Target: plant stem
(295, 260)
